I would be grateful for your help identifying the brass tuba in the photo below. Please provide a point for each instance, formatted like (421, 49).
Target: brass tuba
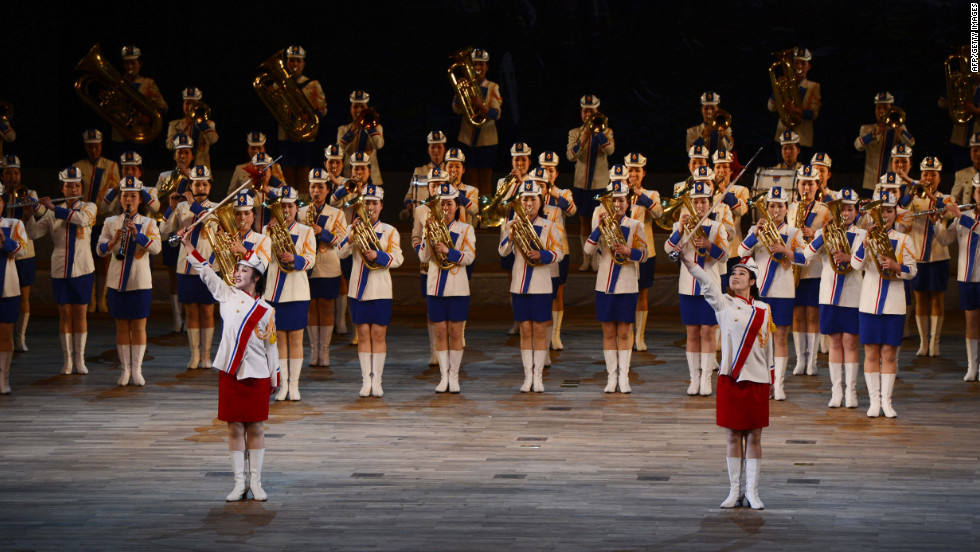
(879, 244)
(222, 237)
(785, 89)
(492, 208)
(522, 231)
(466, 85)
(835, 238)
(114, 99)
(279, 92)
(960, 82)
(769, 235)
(282, 241)
(609, 229)
(361, 234)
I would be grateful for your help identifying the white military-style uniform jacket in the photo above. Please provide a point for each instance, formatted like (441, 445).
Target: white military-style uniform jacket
(713, 262)
(248, 347)
(774, 280)
(592, 159)
(613, 278)
(839, 290)
(746, 329)
(715, 141)
(71, 232)
(97, 179)
(334, 225)
(815, 220)
(418, 193)
(962, 191)
(15, 235)
(133, 271)
(646, 208)
(366, 284)
(878, 295)
(469, 203)
(451, 282)
(925, 233)
(368, 142)
(878, 150)
(27, 252)
(183, 216)
(281, 286)
(966, 231)
(485, 135)
(740, 209)
(418, 224)
(810, 104)
(527, 279)
(202, 140)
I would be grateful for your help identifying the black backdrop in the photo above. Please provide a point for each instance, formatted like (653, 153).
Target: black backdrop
(648, 62)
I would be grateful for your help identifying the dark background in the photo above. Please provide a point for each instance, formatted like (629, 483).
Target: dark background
(647, 61)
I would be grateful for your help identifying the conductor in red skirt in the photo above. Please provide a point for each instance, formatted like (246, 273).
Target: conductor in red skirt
(248, 360)
(744, 374)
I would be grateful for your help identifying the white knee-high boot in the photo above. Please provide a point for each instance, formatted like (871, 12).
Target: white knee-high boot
(972, 361)
(547, 347)
(377, 369)
(527, 359)
(177, 311)
(20, 332)
(851, 379)
(694, 368)
(811, 354)
(326, 334)
(922, 323)
(295, 367)
(78, 351)
(238, 468)
(611, 366)
(640, 329)
(753, 472)
(314, 333)
(433, 360)
(365, 360)
(124, 364)
(734, 481)
(207, 338)
(779, 377)
(68, 365)
(836, 392)
(707, 366)
(455, 361)
(340, 314)
(624, 370)
(443, 357)
(887, 385)
(5, 358)
(255, 458)
(538, 384)
(799, 342)
(136, 363)
(194, 342)
(873, 380)
(556, 318)
(936, 324)
(283, 379)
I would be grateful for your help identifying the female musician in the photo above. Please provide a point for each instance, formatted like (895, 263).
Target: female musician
(530, 281)
(264, 186)
(360, 171)
(616, 284)
(416, 194)
(329, 227)
(98, 175)
(876, 140)
(807, 214)
(202, 133)
(72, 267)
(559, 205)
(840, 295)
(191, 291)
(183, 148)
(821, 163)
(776, 275)
(334, 163)
(707, 134)
(130, 238)
(448, 288)
(256, 144)
(13, 237)
(288, 290)
(26, 259)
(481, 142)
(967, 233)
(248, 360)
(131, 164)
(696, 313)
(645, 207)
(590, 152)
(298, 155)
(354, 137)
(882, 307)
(734, 198)
(929, 284)
(370, 290)
(469, 196)
(520, 163)
(745, 371)
(432, 181)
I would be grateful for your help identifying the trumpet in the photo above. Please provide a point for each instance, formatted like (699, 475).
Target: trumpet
(522, 231)
(785, 90)
(367, 120)
(721, 121)
(596, 122)
(361, 234)
(199, 113)
(111, 96)
(26, 201)
(278, 91)
(609, 229)
(493, 208)
(894, 118)
(467, 85)
(878, 242)
(835, 238)
(769, 234)
(963, 207)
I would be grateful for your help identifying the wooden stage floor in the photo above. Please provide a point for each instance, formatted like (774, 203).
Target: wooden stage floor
(89, 466)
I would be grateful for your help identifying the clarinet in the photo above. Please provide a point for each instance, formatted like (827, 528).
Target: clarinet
(121, 254)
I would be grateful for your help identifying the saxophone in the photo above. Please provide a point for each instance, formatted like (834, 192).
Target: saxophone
(522, 231)
(835, 238)
(769, 234)
(361, 234)
(282, 241)
(609, 229)
(879, 244)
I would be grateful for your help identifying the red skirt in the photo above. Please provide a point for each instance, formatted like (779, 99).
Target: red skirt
(742, 405)
(244, 400)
